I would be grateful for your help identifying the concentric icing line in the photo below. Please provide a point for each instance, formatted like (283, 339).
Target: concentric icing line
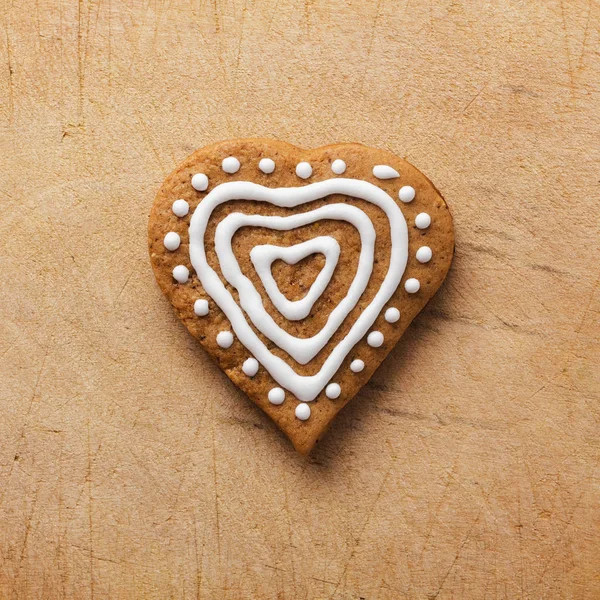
(302, 350)
(305, 388)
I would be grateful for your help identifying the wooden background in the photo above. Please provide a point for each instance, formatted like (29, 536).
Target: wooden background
(467, 468)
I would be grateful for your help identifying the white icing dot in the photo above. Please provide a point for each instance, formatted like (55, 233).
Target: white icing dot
(424, 254)
(392, 315)
(181, 273)
(422, 220)
(333, 391)
(303, 411)
(230, 164)
(225, 339)
(276, 396)
(412, 285)
(303, 170)
(250, 367)
(338, 166)
(385, 172)
(375, 339)
(181, 208)
(201, 308)
(200, 182)
(172, 241)
(357, 365)
(266, 165)
(407, 193)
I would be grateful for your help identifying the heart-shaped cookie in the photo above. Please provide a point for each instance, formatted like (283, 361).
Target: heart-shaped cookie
(298, 270)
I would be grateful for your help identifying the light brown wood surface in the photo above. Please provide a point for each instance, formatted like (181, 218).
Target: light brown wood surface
(130, 467)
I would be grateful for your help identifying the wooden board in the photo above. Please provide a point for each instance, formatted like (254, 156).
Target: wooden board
(131, 467)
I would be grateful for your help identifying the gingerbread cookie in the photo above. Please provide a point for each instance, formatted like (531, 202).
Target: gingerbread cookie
(298, 270)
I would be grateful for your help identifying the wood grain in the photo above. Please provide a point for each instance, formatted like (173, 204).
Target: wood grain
(468, 468)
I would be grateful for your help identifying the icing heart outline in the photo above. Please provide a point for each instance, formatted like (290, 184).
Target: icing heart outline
(264, 255)
(305, 388)
(302, 350)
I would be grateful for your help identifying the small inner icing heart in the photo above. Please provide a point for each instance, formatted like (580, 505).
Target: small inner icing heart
(263, 257)
(295, 281)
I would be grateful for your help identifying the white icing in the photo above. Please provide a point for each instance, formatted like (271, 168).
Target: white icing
(392, 315)
(385, 172)
(181, 273)
(357, 365)
(302, 411)
(225, 339)
(333, 391)
(303, 170)
(230, 165)
(300, 349)
(172, 241)
(422, 220)
(266, 165)
(412, 285)
(250, 367)
(338, 166)
(180, 208)
(201, 308)
(303, 387)
(263, 257)
(406, 193)
(200, 182)
(424, 254)
(276, 396)
(375, 339)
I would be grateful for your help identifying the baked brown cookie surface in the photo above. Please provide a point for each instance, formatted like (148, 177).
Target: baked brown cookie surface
(298, 270)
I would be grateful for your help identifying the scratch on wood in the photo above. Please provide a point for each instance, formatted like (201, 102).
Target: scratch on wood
(216, 484)
(25, 541)
(9, 347)
(60, 550)
(567, 50)
(556, 545)
(80, 66)
(147, 137)
(323, 580)
(216, 16)
(17, 451)
(436, 512)
(242, 20)
(9, 60)
(240, 42)
(589, 304)
(198, 559)
(455, 560)
(370, 46)
(474, 98)
(109, 45)
(28, 526)
(90, 511)
(286, 507)
(124, 286)
(520, 527)
(364, 526)
(585, 35)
